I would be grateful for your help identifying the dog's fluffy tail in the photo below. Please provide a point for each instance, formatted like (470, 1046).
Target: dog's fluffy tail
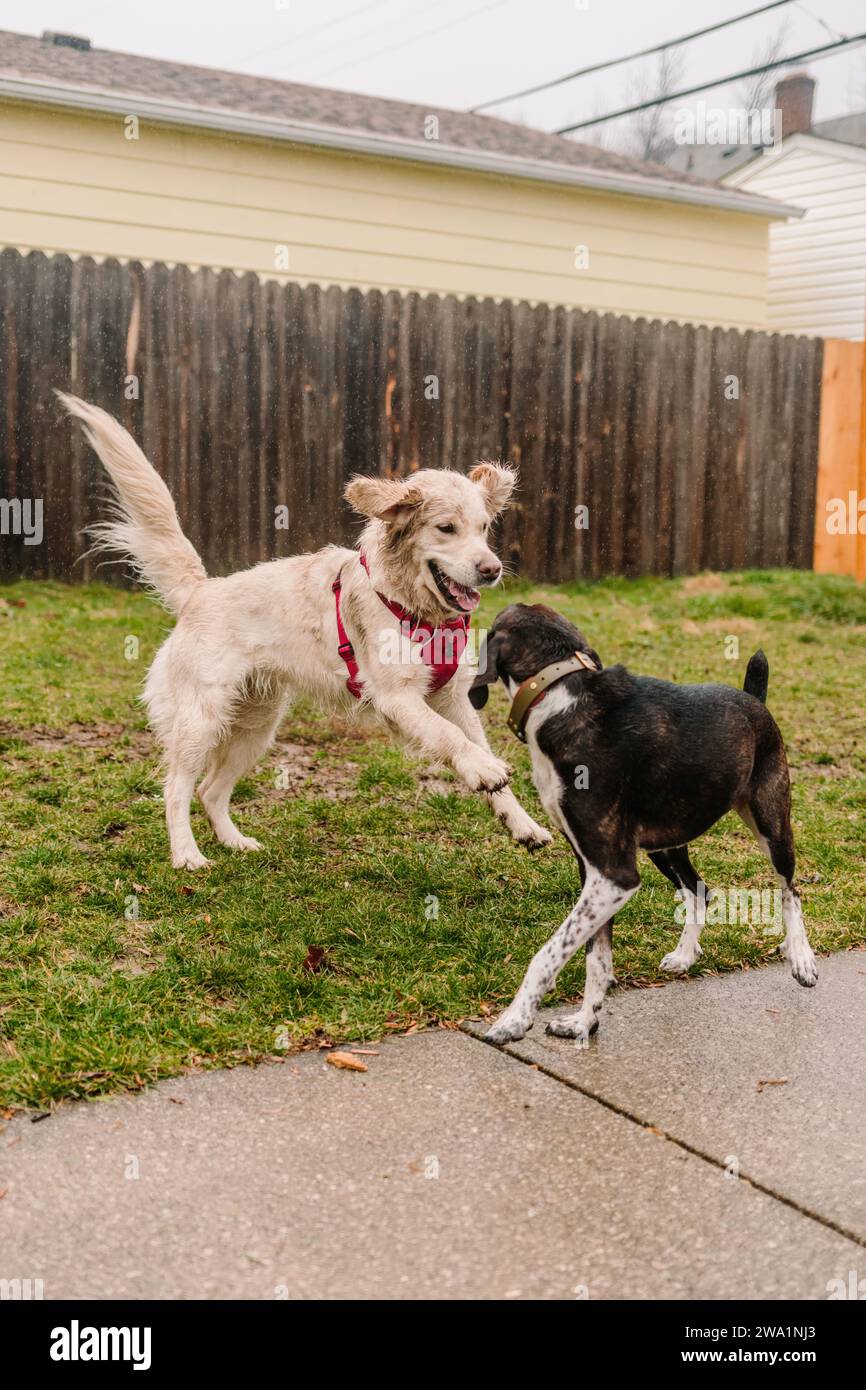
(144, 526)
(757, 677)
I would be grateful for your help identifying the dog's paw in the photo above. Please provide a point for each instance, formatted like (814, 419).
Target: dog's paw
(804, 966)
(519, 824)
(507, 1029)
(243, 842)
(190, 859)
(481, 771)
(523, 829)
(679, 962)
(572, 1026)
(534, 839)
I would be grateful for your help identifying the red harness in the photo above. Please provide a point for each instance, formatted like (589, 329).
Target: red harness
(439, 651)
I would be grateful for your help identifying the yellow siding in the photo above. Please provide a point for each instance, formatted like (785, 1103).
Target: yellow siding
(71, 182)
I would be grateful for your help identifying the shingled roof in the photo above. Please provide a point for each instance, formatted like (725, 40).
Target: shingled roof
(103, 72)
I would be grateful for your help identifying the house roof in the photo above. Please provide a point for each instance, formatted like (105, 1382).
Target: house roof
(40, 70)
(848, 130)
(713, 162)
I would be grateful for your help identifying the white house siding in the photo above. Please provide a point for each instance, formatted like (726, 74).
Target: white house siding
(817, 277)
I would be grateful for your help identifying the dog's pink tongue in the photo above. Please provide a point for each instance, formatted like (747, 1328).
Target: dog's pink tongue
(468, 599)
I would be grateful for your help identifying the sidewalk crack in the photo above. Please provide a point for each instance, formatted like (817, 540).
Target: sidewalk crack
(827, 1222)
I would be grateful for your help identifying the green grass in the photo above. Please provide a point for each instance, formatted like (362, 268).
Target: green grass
(212, 971)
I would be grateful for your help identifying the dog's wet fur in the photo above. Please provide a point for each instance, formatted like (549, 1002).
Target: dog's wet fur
(664, 763)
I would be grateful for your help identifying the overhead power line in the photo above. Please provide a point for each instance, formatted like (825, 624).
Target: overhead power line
(642, 53)
(413, 38)
(828, 28)
(719, 82)
(308, 33)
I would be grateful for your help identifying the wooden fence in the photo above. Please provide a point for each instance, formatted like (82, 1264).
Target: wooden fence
(840, 540)
(690, 447)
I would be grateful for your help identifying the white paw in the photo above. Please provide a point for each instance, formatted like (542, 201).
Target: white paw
(804, 966)
(519, 824)
(530, 835)
(678, 962)
(507, 1028)
(242, 842)
(190, 859)
(481, 771)
(573, 1026)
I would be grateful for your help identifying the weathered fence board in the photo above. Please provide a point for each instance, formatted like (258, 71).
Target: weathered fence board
(691, 447)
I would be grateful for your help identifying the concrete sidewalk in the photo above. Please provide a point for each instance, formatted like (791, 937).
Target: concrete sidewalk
(452, 1170)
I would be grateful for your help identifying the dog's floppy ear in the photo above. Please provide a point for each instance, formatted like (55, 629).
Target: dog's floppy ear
(497, 481)
(386, 499)
(488, 671)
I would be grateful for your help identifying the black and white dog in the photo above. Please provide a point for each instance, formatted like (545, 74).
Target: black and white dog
(622, 763)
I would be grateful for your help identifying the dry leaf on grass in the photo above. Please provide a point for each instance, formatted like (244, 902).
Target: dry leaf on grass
(345, 1061)
(316, 960)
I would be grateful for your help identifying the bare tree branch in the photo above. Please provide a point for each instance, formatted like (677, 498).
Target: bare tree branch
(649, 134)
(756, 92)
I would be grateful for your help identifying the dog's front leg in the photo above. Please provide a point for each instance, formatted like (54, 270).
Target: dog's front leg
(600, 899)
(413, 719)
(504, 803)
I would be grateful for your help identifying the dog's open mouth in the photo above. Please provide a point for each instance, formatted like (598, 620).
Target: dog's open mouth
(458, 596)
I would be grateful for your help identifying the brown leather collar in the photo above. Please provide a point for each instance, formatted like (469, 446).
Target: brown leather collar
(531, 690)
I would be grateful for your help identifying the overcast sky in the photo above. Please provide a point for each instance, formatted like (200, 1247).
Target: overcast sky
(460, 52)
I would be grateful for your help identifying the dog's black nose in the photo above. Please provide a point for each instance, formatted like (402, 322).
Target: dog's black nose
(490, 570)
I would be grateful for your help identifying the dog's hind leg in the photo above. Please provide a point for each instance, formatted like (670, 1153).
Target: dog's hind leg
(602, 896)
(676, 865)
(247, 740)
(767, 813)
(186, 751)
(599, 977)
(188, 730)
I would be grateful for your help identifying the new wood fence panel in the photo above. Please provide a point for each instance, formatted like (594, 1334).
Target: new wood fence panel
(840, 548)
(689, 447)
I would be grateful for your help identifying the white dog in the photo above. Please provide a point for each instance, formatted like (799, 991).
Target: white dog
(333, 625)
